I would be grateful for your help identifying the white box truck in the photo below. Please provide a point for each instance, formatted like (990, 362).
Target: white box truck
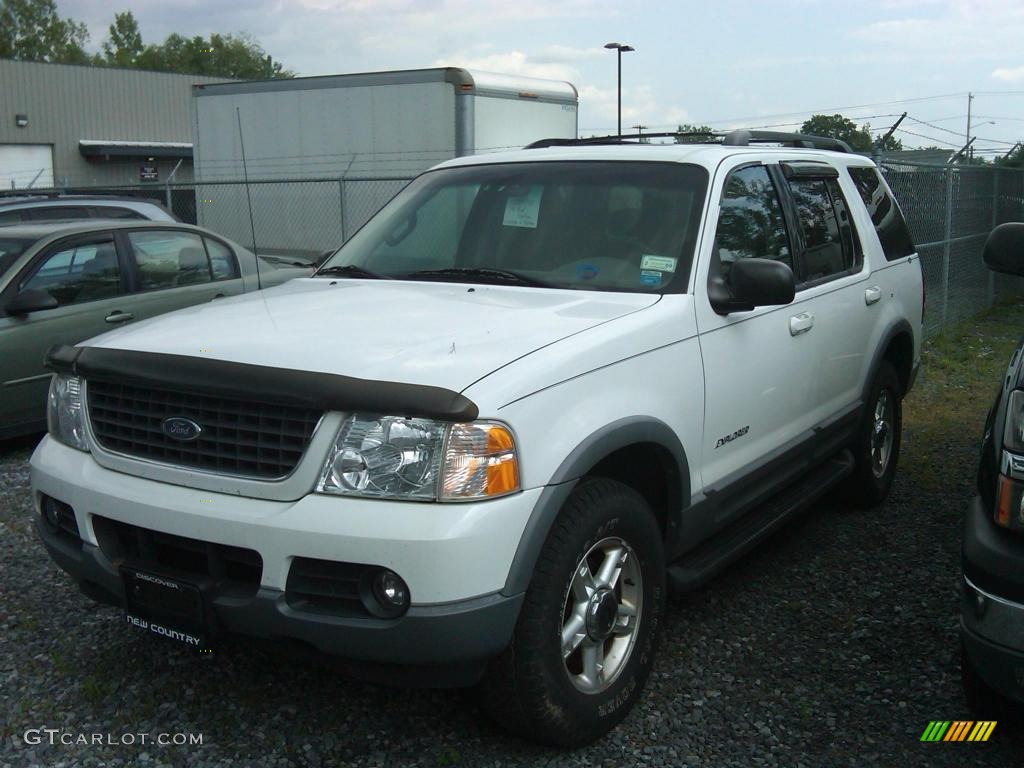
(323, 154)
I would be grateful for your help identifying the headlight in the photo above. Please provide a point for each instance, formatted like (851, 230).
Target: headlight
(65, 417)
(420, 459)
(1013, 433)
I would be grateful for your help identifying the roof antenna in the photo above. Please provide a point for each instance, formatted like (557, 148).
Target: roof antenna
(248, 197)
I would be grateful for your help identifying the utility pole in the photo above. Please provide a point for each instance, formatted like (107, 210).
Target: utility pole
(890, 132)
(962, 150)
(967, 133)
(640, 131)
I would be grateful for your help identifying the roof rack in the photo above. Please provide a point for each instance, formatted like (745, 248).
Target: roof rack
(737, 138)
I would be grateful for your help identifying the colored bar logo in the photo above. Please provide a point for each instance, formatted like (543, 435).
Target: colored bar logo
(958, 730)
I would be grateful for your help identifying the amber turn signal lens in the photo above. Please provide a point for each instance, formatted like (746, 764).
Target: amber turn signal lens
(480, 461)
(1008, 503)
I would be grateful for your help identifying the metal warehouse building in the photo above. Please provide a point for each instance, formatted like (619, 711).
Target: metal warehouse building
(66, 125)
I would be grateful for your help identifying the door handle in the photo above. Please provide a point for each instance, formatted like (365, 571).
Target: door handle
(117, 316)
(872, 294)
(801, 323)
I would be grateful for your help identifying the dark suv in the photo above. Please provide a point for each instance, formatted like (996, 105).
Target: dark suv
(992, 607)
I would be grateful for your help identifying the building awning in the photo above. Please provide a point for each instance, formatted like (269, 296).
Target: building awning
(104, 148)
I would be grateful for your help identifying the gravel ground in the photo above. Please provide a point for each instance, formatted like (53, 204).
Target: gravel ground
(832, 645)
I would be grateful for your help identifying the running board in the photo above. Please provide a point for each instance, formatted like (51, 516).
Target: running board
(699, 565)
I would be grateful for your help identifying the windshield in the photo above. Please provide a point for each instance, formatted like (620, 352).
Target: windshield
(619, 226)
(10, 249)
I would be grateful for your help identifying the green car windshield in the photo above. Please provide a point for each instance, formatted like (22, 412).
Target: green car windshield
(612, 226)
(10, 249)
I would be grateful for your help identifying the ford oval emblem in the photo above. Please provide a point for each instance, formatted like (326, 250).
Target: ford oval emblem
(180, 428)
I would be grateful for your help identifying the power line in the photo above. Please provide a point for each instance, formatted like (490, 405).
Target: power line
(929, 138)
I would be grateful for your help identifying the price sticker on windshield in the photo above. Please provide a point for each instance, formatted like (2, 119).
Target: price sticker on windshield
(523, 210)
(659, 263)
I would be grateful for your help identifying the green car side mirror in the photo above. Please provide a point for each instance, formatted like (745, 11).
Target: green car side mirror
(30, 301)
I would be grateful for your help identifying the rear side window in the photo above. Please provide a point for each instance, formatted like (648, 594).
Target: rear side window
(168, 259)
(892, 229)
(830, 247)
(750, 223)
(58, 213)
(115, 212)
(222, 260)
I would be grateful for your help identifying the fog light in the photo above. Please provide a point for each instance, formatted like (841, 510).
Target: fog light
(979, 604)
(389, 595)
(51, 514)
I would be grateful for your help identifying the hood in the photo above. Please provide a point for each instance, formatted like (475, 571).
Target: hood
(440, 334)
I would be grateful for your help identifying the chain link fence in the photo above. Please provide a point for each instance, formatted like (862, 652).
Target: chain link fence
(950, 210)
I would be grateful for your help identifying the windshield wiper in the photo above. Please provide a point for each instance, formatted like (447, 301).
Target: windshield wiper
(351, 270)
(485, 274)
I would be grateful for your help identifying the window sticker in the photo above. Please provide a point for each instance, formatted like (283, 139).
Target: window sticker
(586, 271)
(650, 277)
(523, 210)
(660, 263)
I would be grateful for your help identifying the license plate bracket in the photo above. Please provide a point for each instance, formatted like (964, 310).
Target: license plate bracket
(167, 607)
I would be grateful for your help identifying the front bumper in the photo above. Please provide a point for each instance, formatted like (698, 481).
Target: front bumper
(991, 614)
(454, 557)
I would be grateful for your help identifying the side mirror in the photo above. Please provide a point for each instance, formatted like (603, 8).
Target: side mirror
(752, 283)
(1004, 249)
(30, 301)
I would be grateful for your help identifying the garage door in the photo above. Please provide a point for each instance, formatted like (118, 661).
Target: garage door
(22, 165)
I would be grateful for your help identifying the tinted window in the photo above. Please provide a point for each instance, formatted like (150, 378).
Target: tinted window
(167, 259)
(623, 226)
(829, 247)
(885, 214)
(222, 260)
(10, 249)
(750, 223)
(84, 272)
(10, 217)
(58, 213)
(115, 212)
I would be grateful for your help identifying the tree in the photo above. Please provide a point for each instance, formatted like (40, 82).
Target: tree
(1014, 158)
(236, 56)
(124, 46)
(843, 128)
(690, 128)
(32, 30)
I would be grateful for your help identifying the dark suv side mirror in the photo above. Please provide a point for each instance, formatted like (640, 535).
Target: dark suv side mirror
(1004, 249)
(30, 301)
(752, 283)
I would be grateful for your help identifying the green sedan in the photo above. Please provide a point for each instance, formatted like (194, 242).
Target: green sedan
(61, 283)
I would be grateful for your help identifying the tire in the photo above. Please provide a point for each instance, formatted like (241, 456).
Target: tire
(870, 483)
(531, 690)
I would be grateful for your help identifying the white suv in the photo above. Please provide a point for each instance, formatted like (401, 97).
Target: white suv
(534, 391)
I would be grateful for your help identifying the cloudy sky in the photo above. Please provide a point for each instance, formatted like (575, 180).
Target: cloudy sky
(721, 62)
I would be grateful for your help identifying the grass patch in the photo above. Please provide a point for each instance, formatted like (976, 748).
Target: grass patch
(961, 370)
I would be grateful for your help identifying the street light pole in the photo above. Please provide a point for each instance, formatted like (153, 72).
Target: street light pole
(620, 49)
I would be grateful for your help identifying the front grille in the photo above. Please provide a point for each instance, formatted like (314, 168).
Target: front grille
(239, 437)
(235, 571)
